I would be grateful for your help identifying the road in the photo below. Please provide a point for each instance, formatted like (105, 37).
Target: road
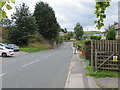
(45, 69)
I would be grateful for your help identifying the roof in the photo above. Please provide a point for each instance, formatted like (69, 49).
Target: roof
(117, 25)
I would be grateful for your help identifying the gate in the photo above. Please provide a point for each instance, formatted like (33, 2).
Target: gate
(105, 55)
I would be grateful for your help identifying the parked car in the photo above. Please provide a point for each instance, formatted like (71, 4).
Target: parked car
(5, 52)
(4, 45)
(14, 47)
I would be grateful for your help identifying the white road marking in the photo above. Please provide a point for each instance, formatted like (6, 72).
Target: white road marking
(30, 63)
(47, 56)
(50, 55)
(2, 74)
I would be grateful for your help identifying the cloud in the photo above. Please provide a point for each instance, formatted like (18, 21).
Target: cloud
(70, 12)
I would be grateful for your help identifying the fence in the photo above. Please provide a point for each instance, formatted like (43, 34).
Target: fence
(105, 55)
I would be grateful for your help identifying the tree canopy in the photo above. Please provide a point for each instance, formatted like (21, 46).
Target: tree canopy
(24, 25)
(46, 21)
(5, 3)
(101, 6)
(78, 30)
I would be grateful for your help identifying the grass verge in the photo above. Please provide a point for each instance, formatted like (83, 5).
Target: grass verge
(32, 49)
(101, 74)
(35, 47)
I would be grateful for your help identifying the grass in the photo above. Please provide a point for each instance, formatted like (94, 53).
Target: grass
(101, 74)
(72, 39)
(32, 49)
(35, 47)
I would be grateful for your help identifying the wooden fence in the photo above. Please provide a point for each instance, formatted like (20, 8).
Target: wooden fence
(105, 55)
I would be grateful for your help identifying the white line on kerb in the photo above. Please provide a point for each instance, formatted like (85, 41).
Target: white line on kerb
(2, 74)
(30, 63)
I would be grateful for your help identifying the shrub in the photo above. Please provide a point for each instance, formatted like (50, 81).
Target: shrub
(35, 38)
(95, 37)
(111, 34)
(59, 39)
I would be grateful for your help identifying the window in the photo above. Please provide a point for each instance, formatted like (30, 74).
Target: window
(1, 48)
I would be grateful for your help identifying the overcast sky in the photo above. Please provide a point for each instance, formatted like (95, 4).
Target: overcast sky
(70, 12)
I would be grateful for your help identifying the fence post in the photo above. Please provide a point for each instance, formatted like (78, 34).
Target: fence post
(91, 63)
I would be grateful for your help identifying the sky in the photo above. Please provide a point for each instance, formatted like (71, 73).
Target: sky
(70, 12)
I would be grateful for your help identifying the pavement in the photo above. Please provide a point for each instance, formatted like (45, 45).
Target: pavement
(44, 69)
(77, 75)
(108, 82)
(20, 53)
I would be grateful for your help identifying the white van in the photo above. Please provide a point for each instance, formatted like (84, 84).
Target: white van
(6, 52)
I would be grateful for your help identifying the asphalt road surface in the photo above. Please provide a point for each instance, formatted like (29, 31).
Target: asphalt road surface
(45, 69)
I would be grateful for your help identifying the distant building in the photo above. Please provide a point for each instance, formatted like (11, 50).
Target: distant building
(61, 33)
(103, 35)
(117, 27)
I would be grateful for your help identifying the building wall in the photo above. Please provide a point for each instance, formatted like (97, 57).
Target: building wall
(118, 34)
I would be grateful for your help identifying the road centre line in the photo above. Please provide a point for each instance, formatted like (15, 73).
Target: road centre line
(50, 55)
(2, 74)
(30, 63)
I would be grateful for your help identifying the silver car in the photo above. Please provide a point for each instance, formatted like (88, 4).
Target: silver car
(14, 47)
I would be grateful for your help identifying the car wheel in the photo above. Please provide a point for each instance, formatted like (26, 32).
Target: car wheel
(4, 55)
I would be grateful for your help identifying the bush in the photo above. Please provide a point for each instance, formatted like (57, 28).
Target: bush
(59, 39)
(86, 48)
(94, 37)
(111, 34)
(35, 38)
(23, 41)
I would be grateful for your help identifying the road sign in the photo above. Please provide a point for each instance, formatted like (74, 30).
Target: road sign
(115, 58)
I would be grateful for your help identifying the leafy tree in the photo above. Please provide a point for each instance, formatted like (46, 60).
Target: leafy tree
(111, 34)
(78, 31)
(64, 30)
(47, 23)
(5, 3)
(24, 25)
(101, 6)
(6, 22)
(70, 34)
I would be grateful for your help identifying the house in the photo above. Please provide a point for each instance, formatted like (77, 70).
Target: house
(117, 27)
(61, 33)
(103, 35)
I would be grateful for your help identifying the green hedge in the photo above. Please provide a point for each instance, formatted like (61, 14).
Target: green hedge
(95, 37)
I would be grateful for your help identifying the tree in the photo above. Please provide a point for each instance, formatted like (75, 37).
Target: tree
(6, 22)
(24, 26)
(46, 21)
(64, 30)
(5, 3)
(100, 7)
(111, 34)
(70, 34)
(78, 31)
